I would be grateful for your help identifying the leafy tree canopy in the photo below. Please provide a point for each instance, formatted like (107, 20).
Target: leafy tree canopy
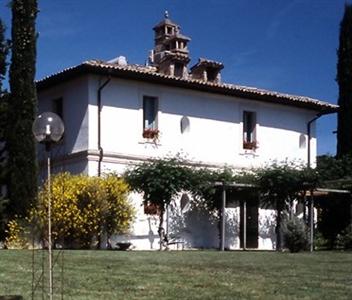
(281, 183)
(159, 180)
(203, 189)
(344, 80)
(4, 48)
(21, 109)
(331, 168)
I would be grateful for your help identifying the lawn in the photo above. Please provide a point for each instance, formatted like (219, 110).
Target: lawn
(186, 275)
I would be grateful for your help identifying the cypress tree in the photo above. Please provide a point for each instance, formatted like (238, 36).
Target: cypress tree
(4, 47)
(344, 80)
(22, 166)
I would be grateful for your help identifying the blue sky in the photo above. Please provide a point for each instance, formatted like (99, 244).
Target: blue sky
(282, 45)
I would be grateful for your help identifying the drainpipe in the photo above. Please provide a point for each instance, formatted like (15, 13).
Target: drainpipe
(309, 126)
(311, 206)
(100, 148)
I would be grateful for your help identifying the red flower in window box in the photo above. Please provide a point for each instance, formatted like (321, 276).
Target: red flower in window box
(150, 133)
(151, 208)
(250, 145)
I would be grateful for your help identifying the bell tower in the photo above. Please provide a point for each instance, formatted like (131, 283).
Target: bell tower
(170, 54)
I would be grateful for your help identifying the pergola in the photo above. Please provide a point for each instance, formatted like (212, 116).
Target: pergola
(312, 194)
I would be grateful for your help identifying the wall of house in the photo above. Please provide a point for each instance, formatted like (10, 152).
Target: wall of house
(215, 135)
(214, 139)
(75, 113)
(74, 96)
(195, 228)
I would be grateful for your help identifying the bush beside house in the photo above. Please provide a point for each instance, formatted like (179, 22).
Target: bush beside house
(83, 209)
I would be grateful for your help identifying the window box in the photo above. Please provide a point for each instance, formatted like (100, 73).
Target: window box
(250, 145)
(151, 208)
(150, 133)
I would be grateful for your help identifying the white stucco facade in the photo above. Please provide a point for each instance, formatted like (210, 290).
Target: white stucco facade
(215, 135)
(214, 139)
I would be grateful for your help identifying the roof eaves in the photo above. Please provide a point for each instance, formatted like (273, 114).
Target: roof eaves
(143, 73)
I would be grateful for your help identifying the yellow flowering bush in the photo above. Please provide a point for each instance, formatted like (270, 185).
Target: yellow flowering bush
(16, 235)
(83, 208)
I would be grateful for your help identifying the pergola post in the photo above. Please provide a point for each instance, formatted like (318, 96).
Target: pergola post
(311, 221)
(351, 211)
(222, 230)
(244, 224)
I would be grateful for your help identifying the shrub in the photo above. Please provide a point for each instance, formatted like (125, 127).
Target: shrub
(344, 239)
(17, 236)
(295, 234)
(83, 208)
(320, 242)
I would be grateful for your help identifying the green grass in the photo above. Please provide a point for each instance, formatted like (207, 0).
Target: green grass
(186, 275)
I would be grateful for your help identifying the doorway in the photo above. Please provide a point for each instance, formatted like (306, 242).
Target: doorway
(249, 208)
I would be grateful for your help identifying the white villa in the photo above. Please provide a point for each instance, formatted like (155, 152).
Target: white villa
(117, 114)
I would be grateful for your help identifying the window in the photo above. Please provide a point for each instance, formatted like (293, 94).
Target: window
(249, 124)
(185, 124)
(58, 107)
(150, 113)
(212, 74)
(169, 30)
(178, 72)
(185, 203)
(302, 141)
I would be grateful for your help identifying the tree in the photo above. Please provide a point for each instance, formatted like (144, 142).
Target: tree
(202, 187)
(334, 209)
(21, 150)
(160, 181)
(333, 169)
(279, 185)
(344, 80)
(295, 234)
(119, 213)
(4, 48)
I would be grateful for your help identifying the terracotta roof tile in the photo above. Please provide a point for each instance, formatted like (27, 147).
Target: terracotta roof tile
(150, 74)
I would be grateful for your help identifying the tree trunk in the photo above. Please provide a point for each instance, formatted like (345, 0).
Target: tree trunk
(98, 247)
(278, 230)
(161, 230)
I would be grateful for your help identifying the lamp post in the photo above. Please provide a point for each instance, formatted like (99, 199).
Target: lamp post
(48, 129)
